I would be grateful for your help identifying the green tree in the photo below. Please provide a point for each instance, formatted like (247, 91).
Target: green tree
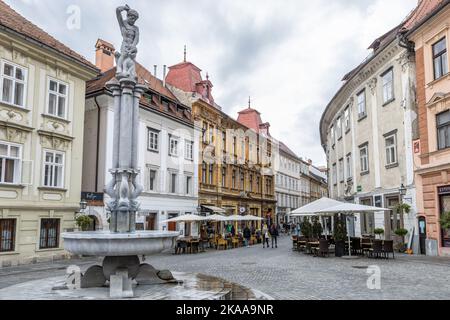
(83, 222)
(445, 221)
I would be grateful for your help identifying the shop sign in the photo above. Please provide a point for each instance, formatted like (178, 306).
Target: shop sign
(444, 190)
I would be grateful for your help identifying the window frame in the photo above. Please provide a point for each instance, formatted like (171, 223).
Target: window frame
(24, 82)
(189, 150)
(11, 240)
(439, 56)
(341, 170)
(154, 132)
(366, 156)
(388, 149)
(177, 139)
(349, 166)
(347, 119)
(53, 165)
(58, 95)
(443, 126)
(57, 236)
(17, 166)
(188, 185)
(362, 94)
(173, 183)
(384, 85)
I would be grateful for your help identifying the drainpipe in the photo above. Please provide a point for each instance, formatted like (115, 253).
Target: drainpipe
(98, 144)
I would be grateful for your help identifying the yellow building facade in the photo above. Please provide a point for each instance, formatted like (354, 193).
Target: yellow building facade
(235, 165)
(42, 94)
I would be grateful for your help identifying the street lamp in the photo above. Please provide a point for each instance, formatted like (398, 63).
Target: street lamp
(83, 205)
(402, 190)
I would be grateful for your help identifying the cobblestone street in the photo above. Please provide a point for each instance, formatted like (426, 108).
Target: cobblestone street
(284, 274)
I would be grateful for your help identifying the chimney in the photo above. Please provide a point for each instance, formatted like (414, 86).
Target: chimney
(155, 68)
(164, 75)
(104, 55)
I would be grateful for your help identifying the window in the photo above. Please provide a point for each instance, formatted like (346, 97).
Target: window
(204, 172)
(364, 157)
(347, 119)
(361, 99)
(153, 140)
(339, 128)
(10, 160)
(332, 136)
(341, 170)
(388, 86)
(234, 146)
(57, 98)
(13, 84)
(49, 237)
(443, 127)
(251, 183)
(173, 145)
(233, 179)
(242, 185)
(152, 180)
(205, 132)
(334, 172)
(440, 58)
(258, 184)
(189, 150)
(211, 174)
(224, 141)
(53, 169)
(224, 177)
(7, 234)
(211, 134)
(391, 149)
(173, 183)
(188, 185)
(348, 160)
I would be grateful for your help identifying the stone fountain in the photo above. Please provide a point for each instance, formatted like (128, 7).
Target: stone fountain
(122, 244)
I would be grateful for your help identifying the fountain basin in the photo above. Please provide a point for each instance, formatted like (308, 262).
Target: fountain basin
(105, 243)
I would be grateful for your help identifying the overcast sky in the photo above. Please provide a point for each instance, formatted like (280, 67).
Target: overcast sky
(288, 55)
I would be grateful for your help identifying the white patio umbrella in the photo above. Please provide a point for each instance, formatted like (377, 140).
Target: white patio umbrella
(349, 209)
(215, 217)
(186, 218)
(234, 217)
(312, 208)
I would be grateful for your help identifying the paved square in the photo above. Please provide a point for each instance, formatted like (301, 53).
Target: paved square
(284, 274)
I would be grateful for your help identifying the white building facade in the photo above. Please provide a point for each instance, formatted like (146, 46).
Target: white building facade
(367, 132)
(288, 185)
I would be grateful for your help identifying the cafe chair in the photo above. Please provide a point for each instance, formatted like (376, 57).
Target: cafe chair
(388, 247)
(377, 249)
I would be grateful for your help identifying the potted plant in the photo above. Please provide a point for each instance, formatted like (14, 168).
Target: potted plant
(401, 232)
(83, 222)
(379, 232)
(339, 235)
(306, 228)
(316, 228)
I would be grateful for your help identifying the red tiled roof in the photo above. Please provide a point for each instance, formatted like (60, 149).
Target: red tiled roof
(10, 19)
(250, 118)
(155, 84)
(184, 76)
(424, 8)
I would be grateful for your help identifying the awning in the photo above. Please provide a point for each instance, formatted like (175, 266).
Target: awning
(215, 209)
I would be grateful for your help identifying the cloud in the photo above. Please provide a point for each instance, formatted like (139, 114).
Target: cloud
(289, 55)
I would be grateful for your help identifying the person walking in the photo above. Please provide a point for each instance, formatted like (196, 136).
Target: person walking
(266, 236)
(274, 235)
(247, 236)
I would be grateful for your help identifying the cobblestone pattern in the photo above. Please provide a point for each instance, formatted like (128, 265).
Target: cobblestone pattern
(285, 274)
